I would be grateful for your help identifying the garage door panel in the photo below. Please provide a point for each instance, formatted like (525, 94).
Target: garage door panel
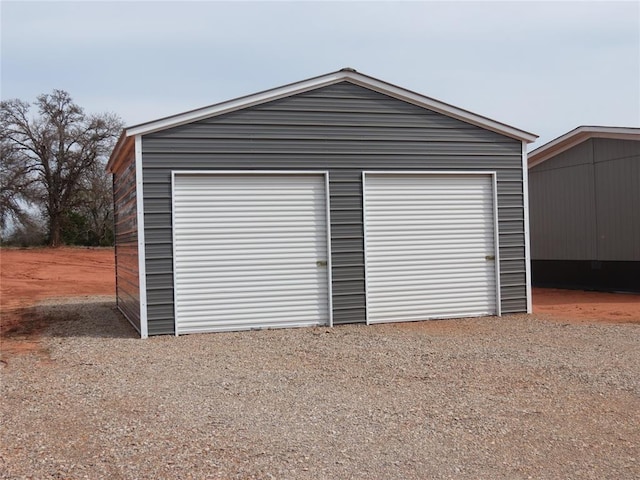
(421, 277)
(430, 244)
(250, 251)
(437, 313)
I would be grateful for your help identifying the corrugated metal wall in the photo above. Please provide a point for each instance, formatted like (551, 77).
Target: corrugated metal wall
(126, 233)
(562, 206)
(345, 129)
(585, 203)
(617, 175)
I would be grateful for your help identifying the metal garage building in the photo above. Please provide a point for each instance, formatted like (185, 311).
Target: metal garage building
(585, 210)
(338, 199)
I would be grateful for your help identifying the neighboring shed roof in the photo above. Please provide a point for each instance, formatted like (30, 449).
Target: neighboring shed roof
(344, 75)
(577, 136)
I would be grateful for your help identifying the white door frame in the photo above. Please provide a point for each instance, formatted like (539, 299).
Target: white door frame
(324, 173)
(496, 233)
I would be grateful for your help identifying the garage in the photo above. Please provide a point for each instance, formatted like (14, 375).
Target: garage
(585, 210)
(250, 251)
(430, 246)
(334, 200)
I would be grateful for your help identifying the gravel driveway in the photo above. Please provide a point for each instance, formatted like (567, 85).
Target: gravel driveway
(512, 397)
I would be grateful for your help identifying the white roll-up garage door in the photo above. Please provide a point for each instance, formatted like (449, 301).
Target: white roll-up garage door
(430, 246)
(250, 251)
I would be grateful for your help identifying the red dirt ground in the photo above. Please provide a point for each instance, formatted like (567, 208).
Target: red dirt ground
(577, 306)
(28, 276)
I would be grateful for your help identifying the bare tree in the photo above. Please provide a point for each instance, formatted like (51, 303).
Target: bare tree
(56, 149)
(95, 204)
(17, 188)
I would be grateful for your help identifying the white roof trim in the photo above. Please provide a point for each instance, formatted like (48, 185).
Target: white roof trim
(577, 136)
(349, 75)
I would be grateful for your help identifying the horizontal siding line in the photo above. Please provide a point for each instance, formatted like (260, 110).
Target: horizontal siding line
(130, 188)
(124, 272)
(303, 153)
(370, 138)
(127, 232)
(342, 153)
(159, 303)
(122, 219)
(229, 163)
(285, 122)
(129, 288)
(159, 257)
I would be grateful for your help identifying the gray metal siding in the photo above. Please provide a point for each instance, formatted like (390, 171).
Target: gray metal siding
(126, 241)
(561, 212)
(617, 190)
(345, 129)
(584, 203)
(581, 154)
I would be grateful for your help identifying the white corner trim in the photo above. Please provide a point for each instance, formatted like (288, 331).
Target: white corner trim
(527, 239)
(496, 242)
(322, 81)
(142, 269)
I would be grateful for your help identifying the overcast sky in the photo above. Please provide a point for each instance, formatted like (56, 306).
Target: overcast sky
(542, 67)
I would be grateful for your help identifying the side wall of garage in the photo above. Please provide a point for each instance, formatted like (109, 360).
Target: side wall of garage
(126, 244)
(344, 129)
(585, 226)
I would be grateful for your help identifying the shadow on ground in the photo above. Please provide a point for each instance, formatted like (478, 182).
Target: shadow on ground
(69, 318)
